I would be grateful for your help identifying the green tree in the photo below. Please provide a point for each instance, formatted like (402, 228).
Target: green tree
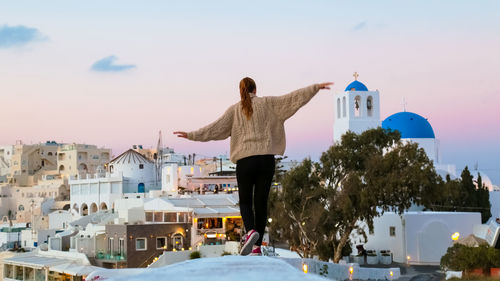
(356, 180)
(483, 199)
(296, 209)
(279, 172)
(462, 195)
(369, 174)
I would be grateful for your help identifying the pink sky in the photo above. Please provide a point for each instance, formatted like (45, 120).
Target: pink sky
(441, 57)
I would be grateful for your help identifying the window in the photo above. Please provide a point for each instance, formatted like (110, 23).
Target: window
(392, 231)
(338, 108)
(343, 107)
(170, 217)
(178, 241)
(369, 106)
(121, 246)
(209, 223)
(21, 208)
(161, 243)
(110, 245)
(158, 217)
(141, 166)
(140, 244)
(357, 106)
(182, 217)
(149, 216)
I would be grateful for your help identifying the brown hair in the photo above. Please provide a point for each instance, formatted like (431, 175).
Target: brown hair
(247, 86)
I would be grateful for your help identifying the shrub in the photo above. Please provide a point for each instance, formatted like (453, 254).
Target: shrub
(195, 255)
(494, 257)
(463, 258)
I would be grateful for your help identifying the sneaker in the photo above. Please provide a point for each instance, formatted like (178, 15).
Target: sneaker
(256, 252)
(252, 237)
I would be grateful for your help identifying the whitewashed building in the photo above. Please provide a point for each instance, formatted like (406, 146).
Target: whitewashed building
(417, 237)
(128, 175)
(357, 109)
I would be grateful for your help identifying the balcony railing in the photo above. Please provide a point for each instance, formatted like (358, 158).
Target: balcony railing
(115, 256)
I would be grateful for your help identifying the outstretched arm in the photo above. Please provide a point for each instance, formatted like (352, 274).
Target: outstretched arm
(285, 106)
(218, 130)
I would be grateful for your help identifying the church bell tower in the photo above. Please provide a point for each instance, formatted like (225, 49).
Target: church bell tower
(357, 109)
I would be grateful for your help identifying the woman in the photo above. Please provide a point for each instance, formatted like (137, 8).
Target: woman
(256, 127)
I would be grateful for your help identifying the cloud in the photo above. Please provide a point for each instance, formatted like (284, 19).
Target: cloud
(107, 64)
(16, 36)
(359, 26)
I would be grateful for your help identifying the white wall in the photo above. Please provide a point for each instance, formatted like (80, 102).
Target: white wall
(495, 203)
(7, 237)
(60, 219)
(424, 236)
(96, 190)
(169, 179)
(135, 175)
(431, 147)
(184, 171)
(428, 234)
(380, 239)
(130, 210)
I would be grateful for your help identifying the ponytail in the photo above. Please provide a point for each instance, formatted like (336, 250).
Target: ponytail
(247, 86)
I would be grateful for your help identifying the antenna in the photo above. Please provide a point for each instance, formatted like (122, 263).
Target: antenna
(159, 158)
(404, 104)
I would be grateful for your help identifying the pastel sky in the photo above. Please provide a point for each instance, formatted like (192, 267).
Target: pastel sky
(114, 73)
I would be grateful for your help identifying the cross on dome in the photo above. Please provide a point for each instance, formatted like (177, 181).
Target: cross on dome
(356, 75)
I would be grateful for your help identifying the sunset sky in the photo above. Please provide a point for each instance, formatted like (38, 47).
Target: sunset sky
(114, 73)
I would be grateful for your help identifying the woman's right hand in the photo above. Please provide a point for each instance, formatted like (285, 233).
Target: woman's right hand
(325, 85)
(181, 134)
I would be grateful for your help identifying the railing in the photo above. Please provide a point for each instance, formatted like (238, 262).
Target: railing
(111, 256)
(202, 231)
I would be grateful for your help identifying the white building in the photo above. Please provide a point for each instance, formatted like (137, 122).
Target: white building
(129, 175)
(6, 152)
(357, 110)
(422, 236)
(417, 237)
(60, 219)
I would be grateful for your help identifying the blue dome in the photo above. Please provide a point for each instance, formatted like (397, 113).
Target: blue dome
(357, 86)
(410, 125)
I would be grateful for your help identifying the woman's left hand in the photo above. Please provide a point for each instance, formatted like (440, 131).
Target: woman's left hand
(325, 86)
(181, 134)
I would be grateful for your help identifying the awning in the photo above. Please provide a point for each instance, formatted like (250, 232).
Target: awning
(34, 261)
(216, 212)
(74, 269)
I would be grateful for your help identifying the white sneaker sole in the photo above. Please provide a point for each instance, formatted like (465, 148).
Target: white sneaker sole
(247, 248)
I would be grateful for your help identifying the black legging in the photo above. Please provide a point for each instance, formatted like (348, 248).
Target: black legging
(255, 171)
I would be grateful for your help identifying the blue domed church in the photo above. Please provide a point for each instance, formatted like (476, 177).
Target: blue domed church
(358, 109)
(415, 236)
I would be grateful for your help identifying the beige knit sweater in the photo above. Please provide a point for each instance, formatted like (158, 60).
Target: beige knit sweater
(264, 133)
